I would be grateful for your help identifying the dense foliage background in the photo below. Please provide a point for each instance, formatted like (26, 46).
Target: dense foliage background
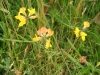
(19, 55)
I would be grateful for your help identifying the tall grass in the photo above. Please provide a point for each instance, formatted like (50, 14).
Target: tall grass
(19, 55)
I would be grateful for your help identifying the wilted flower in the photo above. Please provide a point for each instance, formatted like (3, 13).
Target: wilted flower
(22, 16)
(44, 32)
(49, 33)
(82, 59)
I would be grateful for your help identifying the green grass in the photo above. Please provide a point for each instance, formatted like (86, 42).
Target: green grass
(19, 55)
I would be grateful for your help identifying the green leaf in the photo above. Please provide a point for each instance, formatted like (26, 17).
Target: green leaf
(73, 47)
(84, 70)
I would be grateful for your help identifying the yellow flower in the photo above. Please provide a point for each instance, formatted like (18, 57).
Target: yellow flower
(22, 20)
(83, 34)
(31, 11)
(80, 33)
(22, 16)
(22, 10)
(77, 32)
(48, 43)
(86, 24)
(36, 39)
(44, 33)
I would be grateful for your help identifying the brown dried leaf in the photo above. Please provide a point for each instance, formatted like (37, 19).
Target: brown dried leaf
(26, 49)
(46, 7)
(96, 19)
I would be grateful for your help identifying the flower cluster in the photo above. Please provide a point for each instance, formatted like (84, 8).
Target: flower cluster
(81, 32)
(22, 16)
(43, 32)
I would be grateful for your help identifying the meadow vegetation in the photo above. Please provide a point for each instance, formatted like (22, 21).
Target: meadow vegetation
(49, 37)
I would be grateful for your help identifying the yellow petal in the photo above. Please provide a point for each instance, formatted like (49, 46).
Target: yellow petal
(22, 20)
(82, 34)
(48, 43)
(77, 32)
(31, 11)
(22, 10)
(36, 39)
(83, 38)
(18, 17)
(86, 24)
(21, 23)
